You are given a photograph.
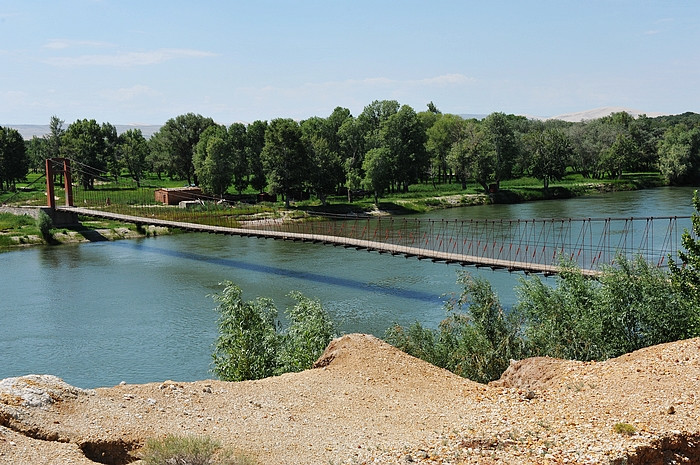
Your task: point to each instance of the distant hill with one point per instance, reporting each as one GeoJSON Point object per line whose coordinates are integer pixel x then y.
{"type": "Point", "coordinates": [39, 130]}
{"type": "Point", "coordinates": [600, 113]}
{"type": "Point", "coordinates": [579, 116]}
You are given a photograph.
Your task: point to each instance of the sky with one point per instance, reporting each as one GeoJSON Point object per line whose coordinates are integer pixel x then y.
{"type": "Point", "coordinates": [146, 61]}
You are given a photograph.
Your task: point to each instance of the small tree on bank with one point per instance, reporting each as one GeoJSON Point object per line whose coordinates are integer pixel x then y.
{"type": "Point", "coordinates": [251, 345]}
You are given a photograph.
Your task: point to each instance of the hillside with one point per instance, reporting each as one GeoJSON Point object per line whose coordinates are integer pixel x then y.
{"type": "Point", "coordinates": [366, 402]}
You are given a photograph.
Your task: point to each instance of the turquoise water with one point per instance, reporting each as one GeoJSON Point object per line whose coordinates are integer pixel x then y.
{"type": "Point", "coordinates": [141, 310]}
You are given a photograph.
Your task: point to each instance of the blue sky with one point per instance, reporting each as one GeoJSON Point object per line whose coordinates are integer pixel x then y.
{"type": "Point", "coordinates": [147, 61]}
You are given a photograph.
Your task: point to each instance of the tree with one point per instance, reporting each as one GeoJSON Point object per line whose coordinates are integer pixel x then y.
{"type": "Point", "coordinates": [84, 142]}
{"type": "Point", "coordinates": [179, 136]}
{"type": "Point", "coordinates": [352, 142]}
{"type": "Point", "coordinates": [310, 331]}
{"type": "Point", "coordinates": [679, 154]}
{"type": "Point", "coordinates": [111, 140]}
{"type": "Point", "coordinates": [14, 164]}
{"type": "Point", "coordinates": [158, 155]}
{"type": "Point", "coordinates": [250, 344]}
{"type": "Point", "coordinates": [403, 135]}
{"type": "Point", "coordinates": [377, 169]}
{"type": "Point", "coordinates": [255, 141]}
{"type": "Point", "coordinates": [213, 160]}
{"type": "Point", "coordinates": [446, 131]}
{"type": "Point", "coordinates": [132, 152]}
{"type": "Point", "coordinates": [472, 156]}
{"type": "Point", "coordinates": [53, 138]}
{"type": "Point", "coordinates": [284, 157]}
{"type": "Point", "coordinates": [506, 146]}
{"type": "Point", "coordinates": [239, 156]}
{"type": "Point", "coordinates": [551, 150]}
{"type": "Point", "coordinates": [37, 152]}
{"type": "Point", "coordinates": [326, 168]}
{"type": "Point", "coordinates": [686, 274]}
{"type": "Point", "coordinates": [246, 347]}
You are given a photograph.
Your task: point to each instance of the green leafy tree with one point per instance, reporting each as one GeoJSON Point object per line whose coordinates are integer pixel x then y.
{"type": "Point", "coordinates": [686, 273]}
{"type": "Point", "coordinates": [109, 154]}
{"type": "Point", "coordinates": [377, 169]}
{"type": "Point", "coordinates": [179, 137]}
{"type": "Point", "coordinates": [213, 160]}
{"type": "Point", "coordinates": [14, 163]}
{"type": "Point", "coordinates": [562, 321]}
{"type": "Point", "coordinates": [352, 142]}
{"type": "Point", "coordinates": [404, 136]}
{"type": "Point", "coordinates": [477, 340]}
{"type": "Point", "coordinates": [309, 333]}
{"type": "Point", "coordinates": [239, 156]}
{"type": "Point", "coordinates": [551, 151]}
{"type": "Point", "coordinates": [639, 307]}
{"type": "Point", "coordinates": [506, 145]}
{"type": "Point", "coordinates": [250, 344]}
{"type": "Point", "coordinates": [158, 158]}
{"type": "Point", "coordinates": [246, 347]}
{"type": "Point", "coordinates": [132, 152]}
{"type": "Point", "coordinates": [255, 142]}
{"type": "Point", "coordinates": [284, 157]}
{"type": "Point", "coordinates": [472, 156]}
{"type": "Point", "coordinates": [85, 143]}
{"type": "Point", "coordinates": [53, 138]}
{"type": "Point", "coordinates": [37, 153]}
{"type": "Point", "coordinates": [679, 154]}
{"type": "Point", "coordinates": [441, 136]}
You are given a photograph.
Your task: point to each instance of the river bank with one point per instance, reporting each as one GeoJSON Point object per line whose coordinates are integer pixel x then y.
{"type": "Point", "coordinates": [23, 233]}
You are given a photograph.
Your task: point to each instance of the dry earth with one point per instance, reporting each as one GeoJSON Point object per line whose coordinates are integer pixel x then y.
{"type": "Point", "coordinates": [366, 402]}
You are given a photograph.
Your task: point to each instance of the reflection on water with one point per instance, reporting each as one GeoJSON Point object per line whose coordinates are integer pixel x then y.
{"type": "Point", "coordinates": [140, 310]}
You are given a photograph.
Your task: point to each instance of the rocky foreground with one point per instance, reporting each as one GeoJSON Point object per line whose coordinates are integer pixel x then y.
{"type": "Point", "coordinates": [366, 402]}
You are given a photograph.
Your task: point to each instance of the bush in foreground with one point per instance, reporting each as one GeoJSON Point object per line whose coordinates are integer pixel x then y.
{"type": "Point", "coordinates": [251, 344]}
{"type": "Point", "coordinates": [190, 450]}
{"type": "Point", "coordinates": [631, 306]}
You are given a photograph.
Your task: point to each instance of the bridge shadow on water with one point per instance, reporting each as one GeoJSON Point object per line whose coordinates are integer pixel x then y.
{"type": "Point", "coordinates": [278, 271]}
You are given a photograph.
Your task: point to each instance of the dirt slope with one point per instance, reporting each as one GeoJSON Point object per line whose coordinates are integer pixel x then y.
{"type": "Point", "coordinates": [366, 402]}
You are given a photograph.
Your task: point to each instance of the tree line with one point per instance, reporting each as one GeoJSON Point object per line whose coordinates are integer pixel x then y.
{"type": "Point", "coordinates": [386, 148]}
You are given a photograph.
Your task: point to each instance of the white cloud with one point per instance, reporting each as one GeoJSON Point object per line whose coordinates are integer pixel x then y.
{"type": "Point", "coordinates": [126, 94]}
{"type": "Point", "coordinates": [128, 59]}
{"type": "Point", "coordinates": [62, 44]}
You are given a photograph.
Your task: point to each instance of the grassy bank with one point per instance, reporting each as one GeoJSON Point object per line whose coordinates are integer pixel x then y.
{"type": "Point", "coordinates": [23, 230]}
{"type": "Point", "coordinates": [427, 197]}
{"type": "Point", "coordinates": [17, 231]}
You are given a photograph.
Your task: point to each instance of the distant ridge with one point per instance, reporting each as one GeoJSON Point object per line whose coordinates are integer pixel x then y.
{"type": "Point", "coordinates": [602, 112]}
{"type": "Point", "coordinates": [579, 116]}
{"type": "Point", "coordinates": [40, 130]}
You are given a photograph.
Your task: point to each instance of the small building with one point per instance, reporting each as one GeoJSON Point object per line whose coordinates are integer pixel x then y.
{"type": "Point", "coordinates": [175, 195]}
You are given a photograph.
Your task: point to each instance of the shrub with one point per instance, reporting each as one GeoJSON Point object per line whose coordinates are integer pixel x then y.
{"type": "Point", "coordinates": [250, 344]}
{"type": "Point", "coordinates": [639, 306]}
{"type": "Point", "coordinates": [44, 223]}
{"type": "Point", "coordinates": [309, 332]}
{"type": "Point", "coordinates": [189, 450]}
{"type": "Point", "coordinates": [561, 321]}
{"type": "Point", "coordinates": [624, 428]}
{"type": "Point", "coordinates": [477, 343]}
{"type": "Point", "coordinates": [247, 343]}
{"type": "Point", "coordinates": [632, 305]}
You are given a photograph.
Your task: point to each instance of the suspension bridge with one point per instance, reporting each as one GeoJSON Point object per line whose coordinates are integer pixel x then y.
{"type": "Point", "coordinates": [528, 245]}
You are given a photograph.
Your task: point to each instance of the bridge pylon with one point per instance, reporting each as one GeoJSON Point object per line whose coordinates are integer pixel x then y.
{"type": "Point", "coordinates": [56, 166]}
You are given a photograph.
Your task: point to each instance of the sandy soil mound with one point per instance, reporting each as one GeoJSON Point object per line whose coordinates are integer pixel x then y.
{"type": "Point", "coordinates": [366, 402]}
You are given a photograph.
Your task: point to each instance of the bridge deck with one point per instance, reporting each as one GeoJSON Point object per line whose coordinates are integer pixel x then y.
{"type": "Point", "coordinates": [381, 247]}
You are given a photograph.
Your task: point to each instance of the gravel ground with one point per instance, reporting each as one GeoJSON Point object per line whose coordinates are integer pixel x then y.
{"type": "Point", "coordinates": [367, 402]}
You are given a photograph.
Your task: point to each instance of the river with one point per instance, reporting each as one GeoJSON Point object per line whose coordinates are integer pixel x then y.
{"type": "Point", "coordinates": [141, 310]}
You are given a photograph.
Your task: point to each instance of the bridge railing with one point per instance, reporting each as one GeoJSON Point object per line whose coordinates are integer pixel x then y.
{"type": "Point", "coordinates": [590, 243]}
